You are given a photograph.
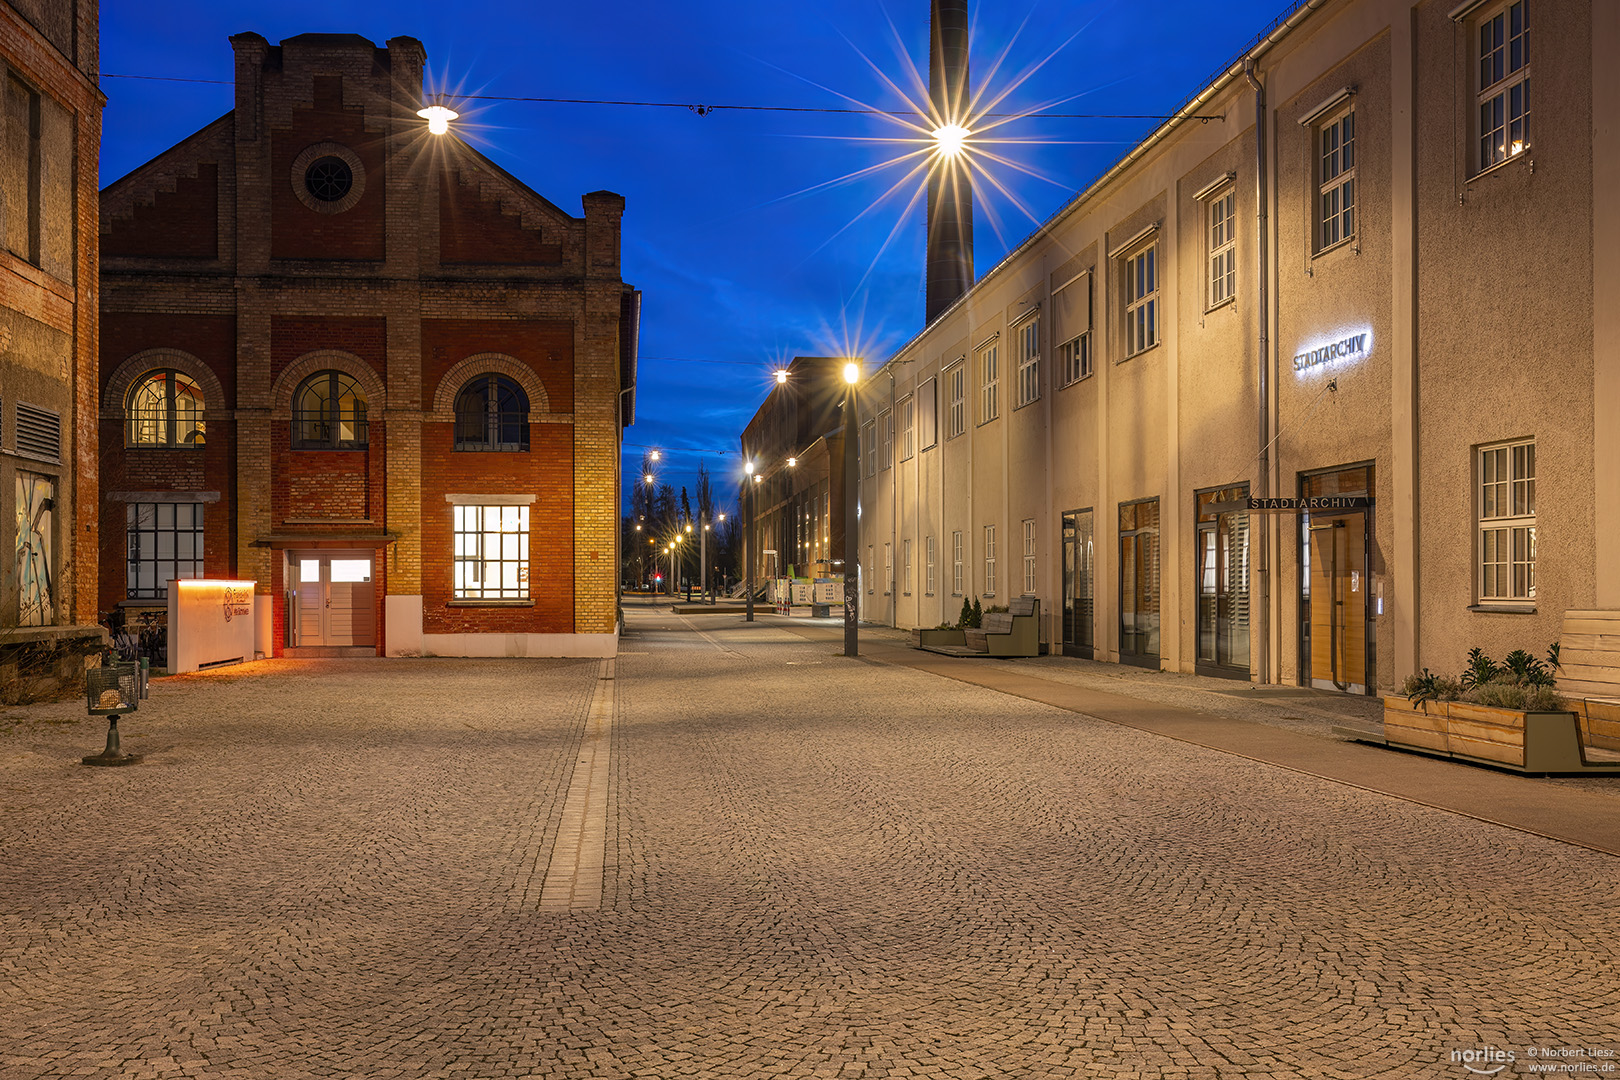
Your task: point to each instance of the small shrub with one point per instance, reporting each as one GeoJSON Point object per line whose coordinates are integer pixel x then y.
{"type": "Point", "coordinates": [1481, 669]}
{"type": "Point", "coordinates": [965, 620]}
{"type": "Point", "coordinates": [1544, 699]}
{"type": "Point", "coordinates": [1499, 693]}
{"type": "Point", "coordinates": [978, 614]}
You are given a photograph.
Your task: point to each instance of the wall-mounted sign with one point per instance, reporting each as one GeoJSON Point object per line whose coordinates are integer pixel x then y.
{"type": "Point", "coordinates": [1354, 346]}
{"type": "Point", "coordinates": [1306, 505]}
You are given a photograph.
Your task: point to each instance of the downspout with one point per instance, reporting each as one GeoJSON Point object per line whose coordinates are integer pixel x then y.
{"type": "Point", "coordinates": [1262, 562]}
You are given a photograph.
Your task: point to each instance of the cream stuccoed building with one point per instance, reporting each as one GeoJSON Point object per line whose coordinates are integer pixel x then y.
{"type": "Point", "coordinates": [1320, 392]}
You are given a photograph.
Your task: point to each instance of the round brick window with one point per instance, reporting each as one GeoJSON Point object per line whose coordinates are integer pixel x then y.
{"type": "Point", "coordinates": [329, 179]}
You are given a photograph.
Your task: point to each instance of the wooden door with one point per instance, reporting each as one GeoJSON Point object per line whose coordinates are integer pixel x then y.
{"type": "Point", "coordinates": [1338, 599]}
{"type": "Point", "coordinates": [335, 600]}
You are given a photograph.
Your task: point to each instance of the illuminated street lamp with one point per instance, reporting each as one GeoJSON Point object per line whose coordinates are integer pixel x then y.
{"type": "Point", "coordinates": [438, 115]}
{"type": "Point", "coordinates": [950, 138]}
{"type": "Point", "coordinates": [781, 376]}
{"type": "Point", "coordinates": [852, 480]}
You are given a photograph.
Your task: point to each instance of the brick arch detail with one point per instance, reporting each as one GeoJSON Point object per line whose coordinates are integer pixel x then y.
{"type": "Point", "coordinates": [116, 393]}
{"type": "Point", "coordinates": [489, 363]}
{"type": "Point", "coordinates": [293, 374]}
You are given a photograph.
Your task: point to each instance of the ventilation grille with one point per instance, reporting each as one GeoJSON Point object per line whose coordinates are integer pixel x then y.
{"type": "Point", "coordinates": [39, 432]}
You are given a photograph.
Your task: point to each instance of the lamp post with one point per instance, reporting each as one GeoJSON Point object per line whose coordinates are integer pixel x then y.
{"type": "Point", "coordinates": [748, 537]}
{"type": "Point", "coordinates": [852, 481]}
{"type": "Point", "coordinates": [703, 557]}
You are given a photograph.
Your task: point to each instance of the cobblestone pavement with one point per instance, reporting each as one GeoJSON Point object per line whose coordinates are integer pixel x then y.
{"type": "Point", "coordinates": [813, 867]}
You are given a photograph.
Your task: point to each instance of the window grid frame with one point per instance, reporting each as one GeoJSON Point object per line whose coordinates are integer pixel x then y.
{"type": "Point", "coordinates": [908, 427]}
{"type": "Point", "coordinates": [990, 382]}
{"type": "Point", "coordinates": [1220, 233]}
{"type": "Point", "coordinates": [1334, 149]}
{"type": "Point", "coordinates": [134, 553]}
{"type": "Point", "coordinates": [1074, 359]}
{"type": "Point", "coordinates": [1029, 361]}
{"type": "Point", "coordinates": [1505, 515]}
{"type": "Point", "coordinates": [462, 588]}
{"type": "Point", "coordinates": [956, 415]}
{"type": "Point", "coordinates": [989, 560]}
{"type": "Point", "coordinates": [1495, 92]}
{"type": "Point", "coordinates": [170, 421]}
{"type": "Point", "coordinates": [1029, 556]}
{"type": "Point", "coordinates": [956, 563]}
{"type": "Point", "coordinates": [1141, 295]}
{"type": "Point", "coordinates": [886, 433]}
{"type": "Point", "coordinates": [931, 569]}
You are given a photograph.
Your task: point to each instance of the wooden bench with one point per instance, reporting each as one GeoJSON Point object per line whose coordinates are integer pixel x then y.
{"type": "Point", "coordinates": [1014, 632]}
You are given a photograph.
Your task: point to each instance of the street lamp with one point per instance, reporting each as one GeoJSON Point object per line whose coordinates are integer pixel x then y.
{"type": "Point", "coordinates": [438, 115]}
{"type": "Point", "coordinates": [852, 481]}
{"type": "Point", "coordinates": [748, 537]}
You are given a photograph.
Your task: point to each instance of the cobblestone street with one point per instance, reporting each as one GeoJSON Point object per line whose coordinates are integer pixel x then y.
{"type": "Point", "coordinates": [809, 867]}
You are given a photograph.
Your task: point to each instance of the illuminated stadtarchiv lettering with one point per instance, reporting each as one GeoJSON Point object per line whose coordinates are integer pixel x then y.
{"type": "Point", "coordinates": [1354, 345]}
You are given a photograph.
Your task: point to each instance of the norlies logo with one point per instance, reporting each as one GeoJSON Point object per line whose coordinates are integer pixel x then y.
{"type": "Point", "coordinates": [1483, 1060]}
{"type": "Point", "coordinates": [1355, 345]}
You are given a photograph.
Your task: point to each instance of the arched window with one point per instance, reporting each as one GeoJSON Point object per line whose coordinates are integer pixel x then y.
{"type": "Point", "coordinates": [165, 409]}
{"type": "Point", "coordinates": [329, 413]}
{"type": "Point", "coordinates": [492, 413]}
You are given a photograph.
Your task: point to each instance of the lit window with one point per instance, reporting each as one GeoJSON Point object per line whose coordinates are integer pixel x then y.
{"type": "Point", "coordinates": [1029, 362]}
{"type": "Point", "coordinates": [165, 544]}
{"type": "Point", "coordinates": [165, 409]}
{"type": "Point", "coordinates": [1503, 93]}
{"type": "Point", "coordinates": [1222, 210]}
{"type": "Point", "coordinates": [492, 413]}
{"type": "Point", "coordinates": [1507, 522]}
{"type": "Point", "coordinates": [1336, 179]}
{"type": "Point", "coordinates": [329, 413]}
{"type": "Point", "coordinates": [1142, 300]}
{"type": "Point", "coordinates": [491, 553]}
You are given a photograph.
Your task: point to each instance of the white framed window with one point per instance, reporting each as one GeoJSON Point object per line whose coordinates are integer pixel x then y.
{"type": "Point", "coordinates": [929, 578]}
{"type": "Point", "coordinates": [869, 444]}
{"type": "Point", "coordinates": [1029, 555]}
{"type": "Point", "coordinates": [1336, 179]}
{"type": "Point", "coordinates": [1142, 300]}
{"type": "Point", "coordinates": [905, 567]}
{"type": "Point", "coordinates": [1507, 522]}
{"type": "Point", "coordinates": [928, 414]}
{"type": "Point", "coordinates": [491, 553]}
{"type": "Point", "coordinates": [1221, 213]}
{"type": "Point", "coordinates": [908, 428]}
{"type": "Point", "coordinates": [1029, 361]}
{"type": "Point", "coordinates": [956, 416]}
{"type": "Point", "coordinates": [886, 427]}
{"type": "Point", "coordinates": [989, 560]}
{"type": "Point", "coordinates": [888, 569]}
{"type": "Point", "coordinates": [956, 563]}
{"type": "Point", "coordinates": [1074, 359]}
{"type": "Point", "coordinates": [1502, 93]}
{"type": "Point", "coordinates": [989, 383]}
{"type": "Point", "coordinates": [871, 569]}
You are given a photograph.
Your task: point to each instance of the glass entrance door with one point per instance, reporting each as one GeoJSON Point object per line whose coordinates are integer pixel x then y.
{"type": "Point", "coordinates": [1139, 583]}
{"type": "Point", "coordinates": [333, 600]}
{"type": "Point", "coordinates": [1223, 583]}
{"type": "Point", "coordinates": [1078, 590]}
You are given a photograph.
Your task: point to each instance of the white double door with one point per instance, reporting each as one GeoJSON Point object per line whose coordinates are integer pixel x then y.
{"type": "Point", "coordinates": [334, 599]}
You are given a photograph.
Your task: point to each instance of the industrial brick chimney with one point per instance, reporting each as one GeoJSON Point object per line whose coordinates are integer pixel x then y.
{"type": "Point", "coordinates": [950, 186]}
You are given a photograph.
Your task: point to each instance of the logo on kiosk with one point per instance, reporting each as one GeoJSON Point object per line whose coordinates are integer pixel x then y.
{"type": "Point", "coordinates": [238, 600]}
{"type": "Point", "coordinates": [1354, 346]}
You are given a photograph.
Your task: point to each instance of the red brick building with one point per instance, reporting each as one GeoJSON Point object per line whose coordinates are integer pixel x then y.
{"type": "Point", "coordinates": [362, 365]}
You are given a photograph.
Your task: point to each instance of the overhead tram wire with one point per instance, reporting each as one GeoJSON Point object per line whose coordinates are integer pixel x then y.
{"type": "Point", "coordinates": [706, 109]}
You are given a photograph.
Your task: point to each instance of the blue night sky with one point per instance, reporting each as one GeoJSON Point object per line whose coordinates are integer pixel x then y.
{"type": "Point", "coordinates": [739, 270]}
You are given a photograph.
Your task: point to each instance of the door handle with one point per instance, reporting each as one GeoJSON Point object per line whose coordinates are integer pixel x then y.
{"type": "Point", "coordinates": [329, 603]}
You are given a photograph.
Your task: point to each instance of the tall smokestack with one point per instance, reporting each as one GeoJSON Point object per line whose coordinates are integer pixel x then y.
{"type": "Point", "coordinates": [950, 187]}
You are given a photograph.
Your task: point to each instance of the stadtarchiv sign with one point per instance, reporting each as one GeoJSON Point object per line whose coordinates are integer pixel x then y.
{"type": "Point", "coordinates": [1352, 347]}
{"type": "Point", "coordinates": [1314, 502]}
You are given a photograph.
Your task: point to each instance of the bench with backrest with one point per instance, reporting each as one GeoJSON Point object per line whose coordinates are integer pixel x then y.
{"type": "Point", "coordinates": [1014, 632]}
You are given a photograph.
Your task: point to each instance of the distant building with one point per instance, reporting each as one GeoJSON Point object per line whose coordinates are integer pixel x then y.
{"type": "Point", "coordinates": [798, 509]}
{"type": "Point", "coordinates": [364, 366]}
{"type": "Point", "coordinates": [1400, 298]}
{"type": "Point", "coordinates": [50, 141]}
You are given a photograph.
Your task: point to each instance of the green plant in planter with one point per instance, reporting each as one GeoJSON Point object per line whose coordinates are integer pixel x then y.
{"type": "Point", "coordinates": [1526, 669]}
{"type": "Point", "coordinates": [1427, 687]}
{"type": "Point", "coordinates": [978, 614]}
{"type": "Point", "coordinates": [1481, 669]}
{"type": "Point", "coordinates": [965, 620]}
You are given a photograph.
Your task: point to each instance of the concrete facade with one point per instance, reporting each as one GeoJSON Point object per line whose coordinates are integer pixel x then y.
{"type": "Point", "coordinates": [50, 138]}
{"type": "Point", "coordinates": [1462, 322]}
{"type": "Point", "coordinates": [419, 277]}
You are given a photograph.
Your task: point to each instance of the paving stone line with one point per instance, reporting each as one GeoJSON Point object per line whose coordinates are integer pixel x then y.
{"type": "Point", "coordinates": [574, 871]}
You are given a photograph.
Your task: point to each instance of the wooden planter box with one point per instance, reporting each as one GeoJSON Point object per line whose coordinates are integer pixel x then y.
{"type": "Point", "coordinates": [1527, 741]}
{"type": "Point", "coordinates": [922, 639]}
{"type": "Point", "coordinates": [1600, 723]}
